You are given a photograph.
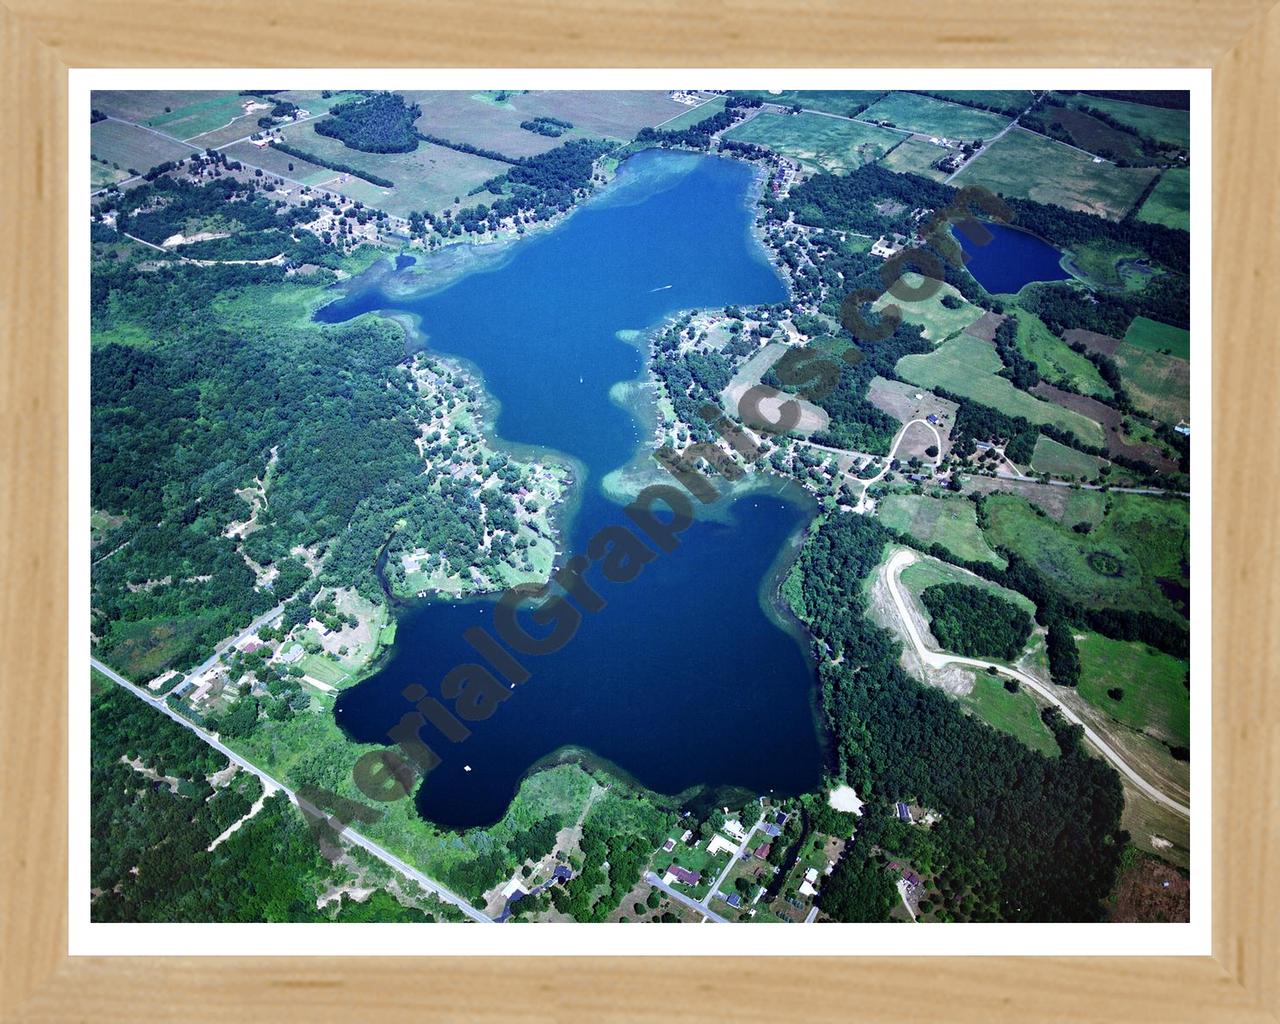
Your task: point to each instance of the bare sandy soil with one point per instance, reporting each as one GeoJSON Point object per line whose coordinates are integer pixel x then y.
{"type": "Point", "coordinates": [812, 418]}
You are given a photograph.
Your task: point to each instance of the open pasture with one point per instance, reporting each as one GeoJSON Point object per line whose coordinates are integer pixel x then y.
{"type": "Point", "coordinates": [819, 142]}
{"type": "Point", "coordinates": [429, 178]}
{"type": "Point", "coordinates": [1096, 136]}
{"type": "Point", "coordinates": [1170, 201]}
{"type": "Point", "coordinates": [611, 115]}
{"type": "Point", "coordinates": [1157, 337]}
{"type": "Point", "coordinates": [1160, 123]}
{"type": "Point", "coordinates": [215, 110]}
{"type": "Point", "coordinates": [1159, 384]}
{"type": "Point", "coordinates": [1008, 101]}
{"type": "Point", "coordinates": [845, 102]}
{"type": "Point", "coordinates": [899, 400]}
{"type": "Point", "coordinates": [1118, 443]}
{"type": "Point", "coordinates": [950, 522]}
{"type": "Point", "coordinates": [938, 320]}
{"type": "Point", "coordinates": [1065, 463]}
{"type": "Point", "coordinates": [1155, 698]}
{"type": "Point", "coordinates": [1030, 166]}
{"type": "Point", "coordinates": [1056, 360]}
{"type": "Point", "coordinates": [1018, 714]}
{"type": "Point", "coordinates": [1064, 504]}
{"type": "Point", "coordinates": [968, 366]}
{"type": "Point", "coordinates": [131, 147]}
{"type": "Point", "coordinates": [465, 117]}
{"type": "Point", "coordinates": [142, 104]}
{"type": "Point", "coordinates": [916, 156]}
{"type": "Point", "coordinates": [930, 116]}
{"type": "Point", "coordinates": [1135, 557]}
{"type": "Point", "coordinates": [273, 161]}
{"type": "Point", "coordinates": [692, 115]}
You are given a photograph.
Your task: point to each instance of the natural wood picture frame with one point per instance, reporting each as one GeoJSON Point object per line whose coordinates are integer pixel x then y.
{"type": "Point", "coordinates": [42, 39]}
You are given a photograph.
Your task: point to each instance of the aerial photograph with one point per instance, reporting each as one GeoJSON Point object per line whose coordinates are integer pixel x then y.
{"type": "Point", "coordinates": [648, 506]}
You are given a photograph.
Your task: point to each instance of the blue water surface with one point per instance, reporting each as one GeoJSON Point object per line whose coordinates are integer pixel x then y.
{"type": "Point", "coordinates": [685, 680]}
{"type": "Point", "coordinates": [1011, 259]}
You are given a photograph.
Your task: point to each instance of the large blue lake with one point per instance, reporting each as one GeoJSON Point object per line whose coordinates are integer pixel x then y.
{"type": "Point", "coordinates": [1011, 259]}
{"type": "Point", "coordinates": [687, 680]}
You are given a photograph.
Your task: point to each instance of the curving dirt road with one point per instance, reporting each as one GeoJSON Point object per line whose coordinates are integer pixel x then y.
{"type": "Point", "coordinates": [937, 659]}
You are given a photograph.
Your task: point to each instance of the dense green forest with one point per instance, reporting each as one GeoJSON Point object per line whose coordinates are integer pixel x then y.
{"type": "Point", "coordinates": [1022, 837]}
{"type": "Point", "coordinates": [223, 375]}
{"type": "Point", "coordinates": [976, 623]}
{"type": "Point", "coordinates": [381, 123]}
{"type": "Point", "coordinates": [148, 856]}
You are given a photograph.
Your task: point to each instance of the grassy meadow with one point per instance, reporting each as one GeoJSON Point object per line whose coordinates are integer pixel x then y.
{"type": "Point", "coordinates": [951, 522]}
{"type": "Point", "coordinates": [132, 148]}
{"type": "Point", "coordinates": [1121, 561]}
{"type": "Point", "coordinates": [930, 116]}
{"type": "Point", "coordinates": [1157, 337]}
{"type": "Point", "coordinates": [1017, 714]}
{"type": "Point", "coordinates": [1170, 201]}
{"type": "Point", "coordinates": [1155, 698]}
{"type": "Point", "coordinates": [1065, 463]}
{"type": "Point", "coordinates": [938, 321]}
{"type": "Point", "coordinates": [1030, 166]}
{"type": "Point", "coordinates": [968, 366]}
{"type": "Point", "coordinates": [819, 142]}
{"type": "Point", "coordinates": [1159, 123]}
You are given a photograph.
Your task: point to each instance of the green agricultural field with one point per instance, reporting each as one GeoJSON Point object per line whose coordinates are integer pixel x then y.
{"type": "Point", "coordinates": [816, 140]}
{"type": "Point", "coordinates": [1057, 362]}
{"type": "Point", "coordinates": [1157, 337]}
{"type": "Point", "coordinates": [1093, 135]}
{"type": "Point", "coordinates": [928, 572]}
{"type": "Point", "coordinates": [101, 175]}
{"type": "Point", "coordinates": [950, 522]}
{"type": "Point", "coordinates": [1011, 101]}
{"type": "Point", "coordinates": [938, 321]}
{"type": "Point", "coordinates": [1031, 166]}
{"type": "Point", "coordinates": [1155, 700]}
{"type": "Point", "coordinates": [611, 115]}
{"type": "Point", "coordinates": [1065, 463]}
{"type": "Point", "coordinates": [141, 104]}
{"type": "Point", "coordinates": [213, 111]}
{"type": "Point", "coordinates": [929, 116]}
{"type": "Point", "coordinates": [1158, 384]}
{"type": "Point", "coordinates": [427, 179]}
{"type": "Point", "coordinates": [916, 156]}
{"type": "Point", "coordinates": [968, 366]}
{"type": "Point", "coordinates": [1159, 123]}
{"type": "Point", "coordinates": [1122, 562]}
{"type": "Point", "coordinates": [844, 102]}
{"type": "Point", "coordinates": [1170, 201]}
{"type": "Point", "coordinates": [692, 115]}
{"type": "Point", "coordinates": [1018, 714]}
{"type": "Point", "coordinates": [273, 161]}
{"type": "Point", "coordinates": [132, 147]}
{"type": "Point", "coordinates": [475, 120]}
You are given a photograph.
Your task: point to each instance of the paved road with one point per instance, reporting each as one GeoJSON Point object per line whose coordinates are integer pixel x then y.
{"type": "Point", "coordinates": [680, 897]}
{"type": "Point", "coordinates": [937, 659]}
{"type": "Point", "coordinates": [351, 835]}
{"type": "Point", "coordinates": [997, 135]}
{"type": "Point", "coordinates": [737, 854]}
{"type": "Point", "coordinates": [244, 634]}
